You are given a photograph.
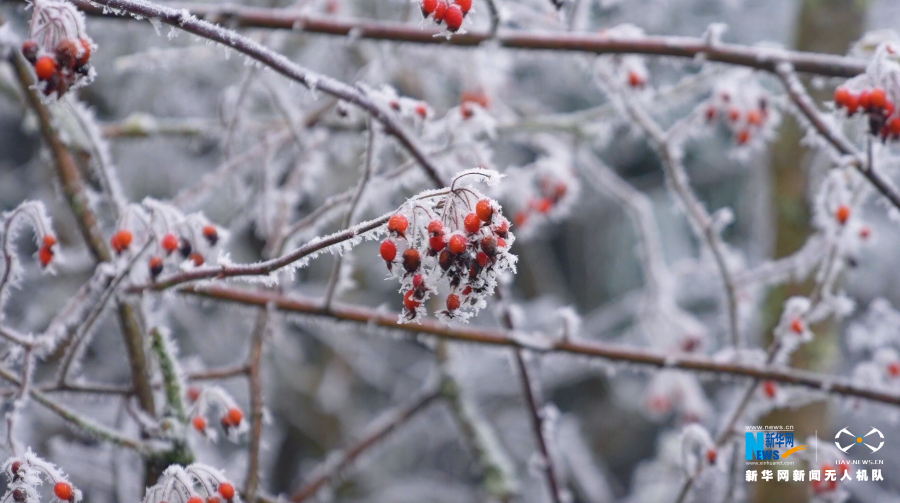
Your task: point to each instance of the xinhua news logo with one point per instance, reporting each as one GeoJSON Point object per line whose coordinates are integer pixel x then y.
{"type": "Point", "coordinates": [859, 440]}
{"type": "Point", "coordinates": [770, 445]}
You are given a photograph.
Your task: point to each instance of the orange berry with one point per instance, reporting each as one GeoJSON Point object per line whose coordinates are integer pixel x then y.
{"type": "Point", "coordinates": [472, 223]}
{"type": "Point", "coordinates": [121, 240]}
{"type": "Point", "coordinates": [770, 388]}
{"type": "Point", "coordinates": [842, 214]}
{"type": "Point", "coordinates": [521, 217]}
{"type": "Point", "coordinates": [197, 259]}
{"type": "Point", "coordinates": [754, 117]}
{"type": "Point", "coordinates": [226, 490]}
{"type": "Point", "coordinates": [422, 110]}
{"type": "Point", "coordinates": [878, 98]}
{"type": "Point", "coordinates": [484, 210]}
{"type": "Point", "coordinates": [234, 416]}
{"type": "Point", "coordinates": [63, 491]}
{"type": "Point", "coordinates": [49, 240]}
{"type": "Point", "coordinates": [169, 243]}
{"type": "Point", "coordinates": [195, 499]}
{"type": "Point", "coordinates": [543, 205]}
{"type": "Point", "coordinates": [711, 456]}
{"type": "Point", "coordinates": [734, 114]}
{"type": "Point", "coordinates": [45, 255]}
{"type": "Point", "coordinates": [398, 224]}
{"type": "Point", "coordinates": [865, 99]}
{"type": "Point", "coordinates": [213, 499]}
{"type": "Point", "coordinates": [797, 326]}
{"type": "Point", "coordinates": [635, 79]}
{"type": "Point", "coordinates": [453, 302]}
{"type": "Point", "coordinates": [199, 423]}
{"type": "Point", "coordinates": [45, 67]}
{"type": "Point", "coordinates": [743, 137]}
{"type": "Point", "coordinates": [211, 234]}
{"type": "Point", "coordinates": [457, 244]}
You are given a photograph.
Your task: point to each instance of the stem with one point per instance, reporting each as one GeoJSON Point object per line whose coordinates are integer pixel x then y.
{"type": "Point", "coordinates": [256, 403]}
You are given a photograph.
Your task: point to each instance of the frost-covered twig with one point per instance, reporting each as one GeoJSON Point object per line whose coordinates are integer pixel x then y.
{"type": "Point", "coordinates": [166, 357]}
{"type": "Point", "coordinates": [381, 428]}
{"type": "Point", "coordinates": [348, 217]}
{"type": "Point", "coordinates": [797, 92]}
{"type": "Point", "coordinates": [256, 403]}
{"type": "Point", "coordinates": [763, 58]}
{"type": "Point", "coordinates": [502, 338]}
{"type": "Point", "coordinates": [183, 20]}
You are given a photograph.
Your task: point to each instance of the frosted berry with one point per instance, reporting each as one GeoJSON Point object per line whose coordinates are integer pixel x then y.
{"type": "Point", "coordinates": [211, 234]}
{"type": "Point", "coordinates": [226, 490]}
{"type": "Point", "coordinates": [439, 10]}
{"type": "Point", "coordinates": [411, 260]}
{"type": "Point", "coordinates": [464, 5]}
{"type": "Point", "coordinates": [45, 67]}
{"type": "Point", "coordinates": [422, 110]}
{"type": "Point", "coordinates": [436, 243]}
{"type": "Point", "coordinates": [502, 230]}
{"type": "Point", "coordinates": [711, 456]}
{"type": "Point", "coordinates": [193, 393]}
{"type": "Point", "coordinates": [197, 259]}
{"type": "Point", "coordinates": [635, 80]}
{"type": "Point", "coordinates": [156, 266]}
{"type": "Point", "coordinates": [398, 224]}
{"type": "Point", "coordinates": [195, 499]}
{"type": "Point", "coordinates": [453, 17]}
{"type": "Point", "coordinates": [453, 302]}
{"type": "Point", "coordinates": [770, 388]}
{"type": "Point", "coordinates": [67, 53]}
{"type": "Point", "coordinates": [843, 98]}
{"type": "Point", "coordinates": [865, 99]}
{"type": "Point", "coordinates": [63, 491]}
{"type": "Point", "coordinates": [484, 210]}
{"type": "Point", "coordinates": [472, 223]}
{"type": "Point", "coordinates": [85, 52]}
{"type": "Point", "coordinates": [185, 248]}
{"type": "Point", "coordinates": [418, 281]}
{"type": "Point", "coordinates": [19, 495]}
{"type": "Point", "coordinates": [388, 250]}
{"type": "Point", "coordinates": [878, 99]}
{"type": "Point", "coordinates": [169, 243]}
{"type": "Point", "coordinates": [482, 259]}
{"type": "Point", "coordinates": [842, 214]}
{"type": "Point", "coordinates": [49, 240]}
{"type": "Point", "coordinates": [489, 245]}
{"type": "Point", "coordinates": [199, 423]}
{"type": "Point", "coordinates": [797, 326]}
{"type": "Point", "coordinates": [445, 259]}
{"type": "Point", "coordinates": [436, 228]}
{"type": "Point", "coordinates": [457, 244]}
{"type": "Point", "coordinates": [409, 302]}
{"type": "Point", "coordinates": [234, 416]}
{"type": "Point", "coordinates": [30, 50]}
{"type": "Point", "coordinates": [121, 240]}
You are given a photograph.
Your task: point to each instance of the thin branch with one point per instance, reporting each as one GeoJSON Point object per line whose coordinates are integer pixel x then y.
{"type": "Point", "coordinates": [256, 403]}
{"type": "Point", "coordinates": [680, 47]}
{"type": "Point", "coordinates": [503, 338]}
{"type": "Point", "coordinates": [381, 428]}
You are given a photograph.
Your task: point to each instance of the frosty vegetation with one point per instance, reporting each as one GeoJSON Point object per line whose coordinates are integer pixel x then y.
{"type": "Point", "coordinates": [362, 250]}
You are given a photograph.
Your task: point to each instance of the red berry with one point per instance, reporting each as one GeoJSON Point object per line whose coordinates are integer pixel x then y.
{"type": "Point", "coordinates": [711, 456]}
{"type": "Point", "coordinates": [464, 5]}
{"type": "Point", "coordinates": [770, 388]}
{"type": "Point", "coordinates": [501, 242]}
{"type": "Point", "coordinates": [878, 98]}
{"type": "Point", "coordinates": [45, 255]}
{"type": "Point", "coordinates": [226, 490]}
{"type": "Point", "coordinates": [445, 259]}
{"type": "Point", "coordinates": [894, 127]}
{"type": "Point", "coordinates": [734, 114]}
{"type": "Point", "coordinates": [234, 416]}
{"type": "Point", "coordinates": [502, 230]}
{"type": "Point", "coordinates": [841, 96]}
{"type": "Point", "coordinates": [411, 260]}
{"type": "Point", "coordinates": [635, 79]}
{"type": "Point", "coordinates": [472, 223]}
{"type": "Point", "coordinates": [197, 259]}
{"type": "Point", "coordinates": [467, 290]}
{"type": "Point", "coordinates": [45, 67]}
{"type": "Point", "coordinates": [49, 240]}
{"type": "Point", "coordinates": [797, 326]}
{"type": "Point", "coordinates": [754, 117]}
{"type": "Point", "coordinates": [543, 205]}
{"type": "Point", "coordinates": [894, 369]}
{"type": "Point", "coordinates": [19, 495]}
{"type": "Point", "coordinates": [195, 499]}
{"type": "Point", "coordinates": [85, 52]}
{"type": "Point", "coordinates": [453, 302]}
{"type": "Point", "coordinates": [121, 240]}
{"type": "Point", "coordinates": [842, 214]}
{"type": "Point", "coordinates": [439, 10]}
{"type": "Point", "coordinates": [865, 232]}
{"type": "Point", "coordinates": [436, 243]}
{"type": "Point", "coordinates": [482, 259]}
{"type": "Point", "coordinates": [484, 210]}
{"type": "Point", "coordinates": [743, 137]}
{"type": "Point", "coordinates": [169, 243]}
{"type": "Point", "coordinates": [398, 224]}
{"type": "Point", "coordinates": [466, 110]}
{"type": "Point", "coordinates": [865, 99]}
{"type": "Point", "coordinates": [489, 245]}
{"type": "Point", "coordinates": [428, 7]}
{"type": "Point", "coordinates": [457, 244]}
{"type": "Point", "coordinates": [211, 234]}
{"type": "Point", "coordinates": [521, 217]}
{"type": "Point", "coordinates": [422, 110]}
{"type": "Point", "coordinates": [388, 250]}
{"type": "Point", "coordinates": [30, 50]}
{"type": "Point", "coordinates": [409, 302]}
{"type": "Point", "coordinates": [711, 113]}
{"type": "Point", "coordinates": [156, 266]}
{"type": "Point", "coordinates": [193, 393]}
{"type": "Point", "coordinates": [63, 491]}
{"type": "Point", "coordinates": [67, 53]}
{"type": "Point", "coordinates": [453, 17]}
{"type": "Point", "coordinates": [436, 228]}
{"type": "Point", "coordinates": [213, 499]}
{"type": "Point", "coordinates": [418, 281]}
{"type": "Point", "coordinates": [199, 423]}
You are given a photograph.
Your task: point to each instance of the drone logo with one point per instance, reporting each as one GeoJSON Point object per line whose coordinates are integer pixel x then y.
{"type": "Point", "coordinates": [858, 440]}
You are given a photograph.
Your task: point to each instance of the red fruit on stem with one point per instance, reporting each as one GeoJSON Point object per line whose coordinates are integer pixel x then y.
{"type": "Point", "coordinates": [482, 259]}
{"type": "Point", "coordinates": [543, 205]}
{"type": "Point", "coordinates": [169, 243]}
{"type": "Point", "coordinates": [770, 388]}
{"type": "Point", "coordinates": [841, 97]}
{"type": "Point", "coordinates": [635, 79]}
{"type": "Point", "coordinates": [472, 223]}
{"type": "Point", "coordinates": [45, 255]}
{"type": "Point", "coordinates": [734, 114]}
{"type": "Point", "coordinates": [156, 266]}
{"type": "Point", "coordinates": [878, 98]}
{"type": "Point", "coordinates": [711, 113]}
{"type": "Point", "coordinates": [398, 224]}
{"type": "Point", "coordinates": [865, 99]}
{"type": "Point", "coordinates": [193, 393]}
{"type": "Point", "coordinates": [484, 210]}
{"type": "Point", "coordinates": [422, 110]}
{"type": "Point", "coordinates": [49, 240]}
{"type": "Point", "coordinates": [63, 491]}
{"type": "Point", "coordinates": [418, 281]}
{"type": "Point", "coordinates": [842, 214]}
{"type": "Point", "coordinates": [457, 244]}
{"type": "Point", "coordinates": [428, 7]}
{"type": "Point", "coordinates": [453, 302]}
{"type": "Point", "coordinates": [711, 456]}
{"type": "Point", "coordinates": [436, 243]}
{"type": "Point", "coordinates": [197, 259]}
{"type": "Point", "coordinates": [85, 52]}
{"type": "Point", "coordinates": [199, 423]}
{"type": "Point", "coordinates": [754, 117]}
{"type": "Point", "coordinates": [234, 415]}
{"type": "Point", "coordinates": [30, 50]}
{"type": "Point", "coordinates": [121, 240]}
{"type": "Point", "coordinates": [211, 234]}
{"type": "Point", "coordinates": [893, 369]}
{"type": "Point", "coordinates": [45, 67]}
{"type": "Point", "coordinates": [445, 260]}
{"type": "Point", "coordinates": [411, 260]}
{"type": "Point", "coordinates": [388, 250]}
{"type": "Point", "coordinates": [797, 326]}
{"type": "Point", "coordinates": [67, 53]}
{"type": "Point", "coordinates": [453, 18]}
{"type": "Point", "coordinates": [464, 5]}
{"type": "Point", "coordinates": [501, 242]}
{"type": "Point", "coordinates": [213, 499]}
{"type": "Point", "coordinates": [894, 127]}
{"type": "Point", "coordinates": [502, 230]}
{"type": "Point", "coordinates": [409, 302]}
{"type": "Point", "coordinates": [439, 10]}
{"type": "Point", "coordinates": [226, 490]}
{"type": "Point", "coordinates": [489, 245]}
{"type": "Point", "coordinates": [436, 228]}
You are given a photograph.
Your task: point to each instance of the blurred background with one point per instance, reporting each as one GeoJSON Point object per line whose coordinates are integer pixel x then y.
{"type": "Point", "coordinates": [175, 108]}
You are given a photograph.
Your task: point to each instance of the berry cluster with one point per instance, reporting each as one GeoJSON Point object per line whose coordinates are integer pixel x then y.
{"type": "Point", "coordinates": [876, 105]}
{"type": "Point", "coordinates": [449, 12]}
{"type": "Point", "coordinates": [745, 114]}
{"type": "Point", "coordinates": [204, 399]}
{"type": "Point", "coordinates": [542, 191]}
{"type": "Point", "coordinates": [190, 484]}
{"type": "Point", "coordinates": [25, 474]}
{"type": "Point", "coordinates": [456, 240]}
{"type": "Point", "coordinates": [191, 236]}
{"type": "Point", "coordinates": [58, 47]}
{"type": "Point", "coordinates": [28, 213]}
